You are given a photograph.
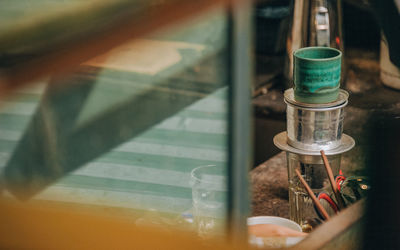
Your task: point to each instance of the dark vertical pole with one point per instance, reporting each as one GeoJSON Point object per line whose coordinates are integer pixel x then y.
{"type": "Point", "coordinates": [240, 142]}
{"type": "Point", "coordinates": [382, 228]}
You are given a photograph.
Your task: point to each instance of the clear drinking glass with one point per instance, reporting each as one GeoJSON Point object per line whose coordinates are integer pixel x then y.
{"type": "Point", "coordinates": [301, 207]}
{"type": "Point", "coordinates": [209, 196]}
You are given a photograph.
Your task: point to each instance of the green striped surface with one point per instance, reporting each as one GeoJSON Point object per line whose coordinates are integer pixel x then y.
{"type": "Point", "coordinates": [150, 171]}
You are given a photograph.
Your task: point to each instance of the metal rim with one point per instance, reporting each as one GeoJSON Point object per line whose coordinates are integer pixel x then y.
{"type": "Point", "coordinates": [280, 140]}
{"type": "Point", "coordinates": [314, 145]}
{"type": "Point", "coordinates": [195, 177]}
{"type": "Point", "coordinates": [339, 103]}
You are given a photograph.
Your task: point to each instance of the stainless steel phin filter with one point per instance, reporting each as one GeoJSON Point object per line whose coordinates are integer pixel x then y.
{"type": "Point", "coordinates": [311, 127]}
{"type": "Point", "coordinates": [315, 126]}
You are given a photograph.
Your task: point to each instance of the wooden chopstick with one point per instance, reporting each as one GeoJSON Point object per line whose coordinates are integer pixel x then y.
{"type": "Point", "coordinates": [335, 190]}
{"type": "Point", "coordinates": [320, 208]}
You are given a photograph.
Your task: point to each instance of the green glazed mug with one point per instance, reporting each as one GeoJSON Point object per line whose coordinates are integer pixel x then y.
{"type": "Point", "coordinates": [316, 74]}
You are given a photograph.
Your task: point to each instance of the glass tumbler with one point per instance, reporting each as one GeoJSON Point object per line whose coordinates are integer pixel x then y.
{"type": "Point", "coordinates": [209, 194]}
{"type": "Point", "coordinates": [311, 167]}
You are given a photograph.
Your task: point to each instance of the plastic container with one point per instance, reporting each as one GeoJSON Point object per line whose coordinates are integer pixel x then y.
{"type": "Point", "coordinates": [209, 192]}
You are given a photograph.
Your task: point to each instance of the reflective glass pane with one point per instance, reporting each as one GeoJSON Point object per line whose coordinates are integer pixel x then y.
{"type": "Point", "coordinates": [123, 133]}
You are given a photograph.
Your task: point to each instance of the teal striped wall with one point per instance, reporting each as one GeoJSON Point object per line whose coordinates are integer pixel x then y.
{"type": "Point", "coordinates": [150, 171]}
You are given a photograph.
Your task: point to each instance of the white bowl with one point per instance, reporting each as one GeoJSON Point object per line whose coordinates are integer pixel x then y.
{"type": "Point", "coordinates": [273, 220]}
{"type": "Point", "coordinates": [274, 241]}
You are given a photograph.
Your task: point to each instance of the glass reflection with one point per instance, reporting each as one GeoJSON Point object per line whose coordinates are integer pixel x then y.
{"type": "Point", "coordinates": [123, 132]}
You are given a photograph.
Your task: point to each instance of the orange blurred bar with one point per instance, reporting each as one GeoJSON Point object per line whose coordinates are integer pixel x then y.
{"type": "Point", "coordinates": [32, 226]}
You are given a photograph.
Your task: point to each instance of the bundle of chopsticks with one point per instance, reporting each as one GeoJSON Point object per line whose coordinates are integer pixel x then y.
{"type": "Point", "coordinates": [339, 199]}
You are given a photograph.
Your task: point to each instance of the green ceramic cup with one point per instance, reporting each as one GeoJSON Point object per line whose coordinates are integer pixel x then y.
{"type": "Point", "coordinates": [316, 74]}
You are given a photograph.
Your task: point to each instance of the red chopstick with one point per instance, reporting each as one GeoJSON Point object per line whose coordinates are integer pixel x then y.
{"type": "Point", "coordinates": [335, 190]}
{"type": "Point", "coordinates": [320, 208]}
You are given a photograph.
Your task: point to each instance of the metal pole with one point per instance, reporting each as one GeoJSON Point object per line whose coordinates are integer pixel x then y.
{"type": "Point", "coordinates": [240, 122]}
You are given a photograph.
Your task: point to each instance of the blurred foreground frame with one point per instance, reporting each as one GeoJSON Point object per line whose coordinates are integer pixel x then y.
{"type": "Point", "coordinates": [41, 228]}
{"type": "Point", "coordinates": [55, 143]}
{"type": "Point", "coordinates": [76, 34]}
{"type": "Point", "coordinates": [58, 42]}
{"type": "Point", "coordinates": [112, 23]}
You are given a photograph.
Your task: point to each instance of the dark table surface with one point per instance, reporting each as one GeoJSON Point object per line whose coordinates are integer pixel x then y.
{"type": "Point", "coordinates": [270, 187]}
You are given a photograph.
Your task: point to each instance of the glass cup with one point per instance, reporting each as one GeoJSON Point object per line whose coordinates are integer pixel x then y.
{"type": "Point", "coordinates": [301, 207]}
{"type": "Point", "coordinates": [209, 196]}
